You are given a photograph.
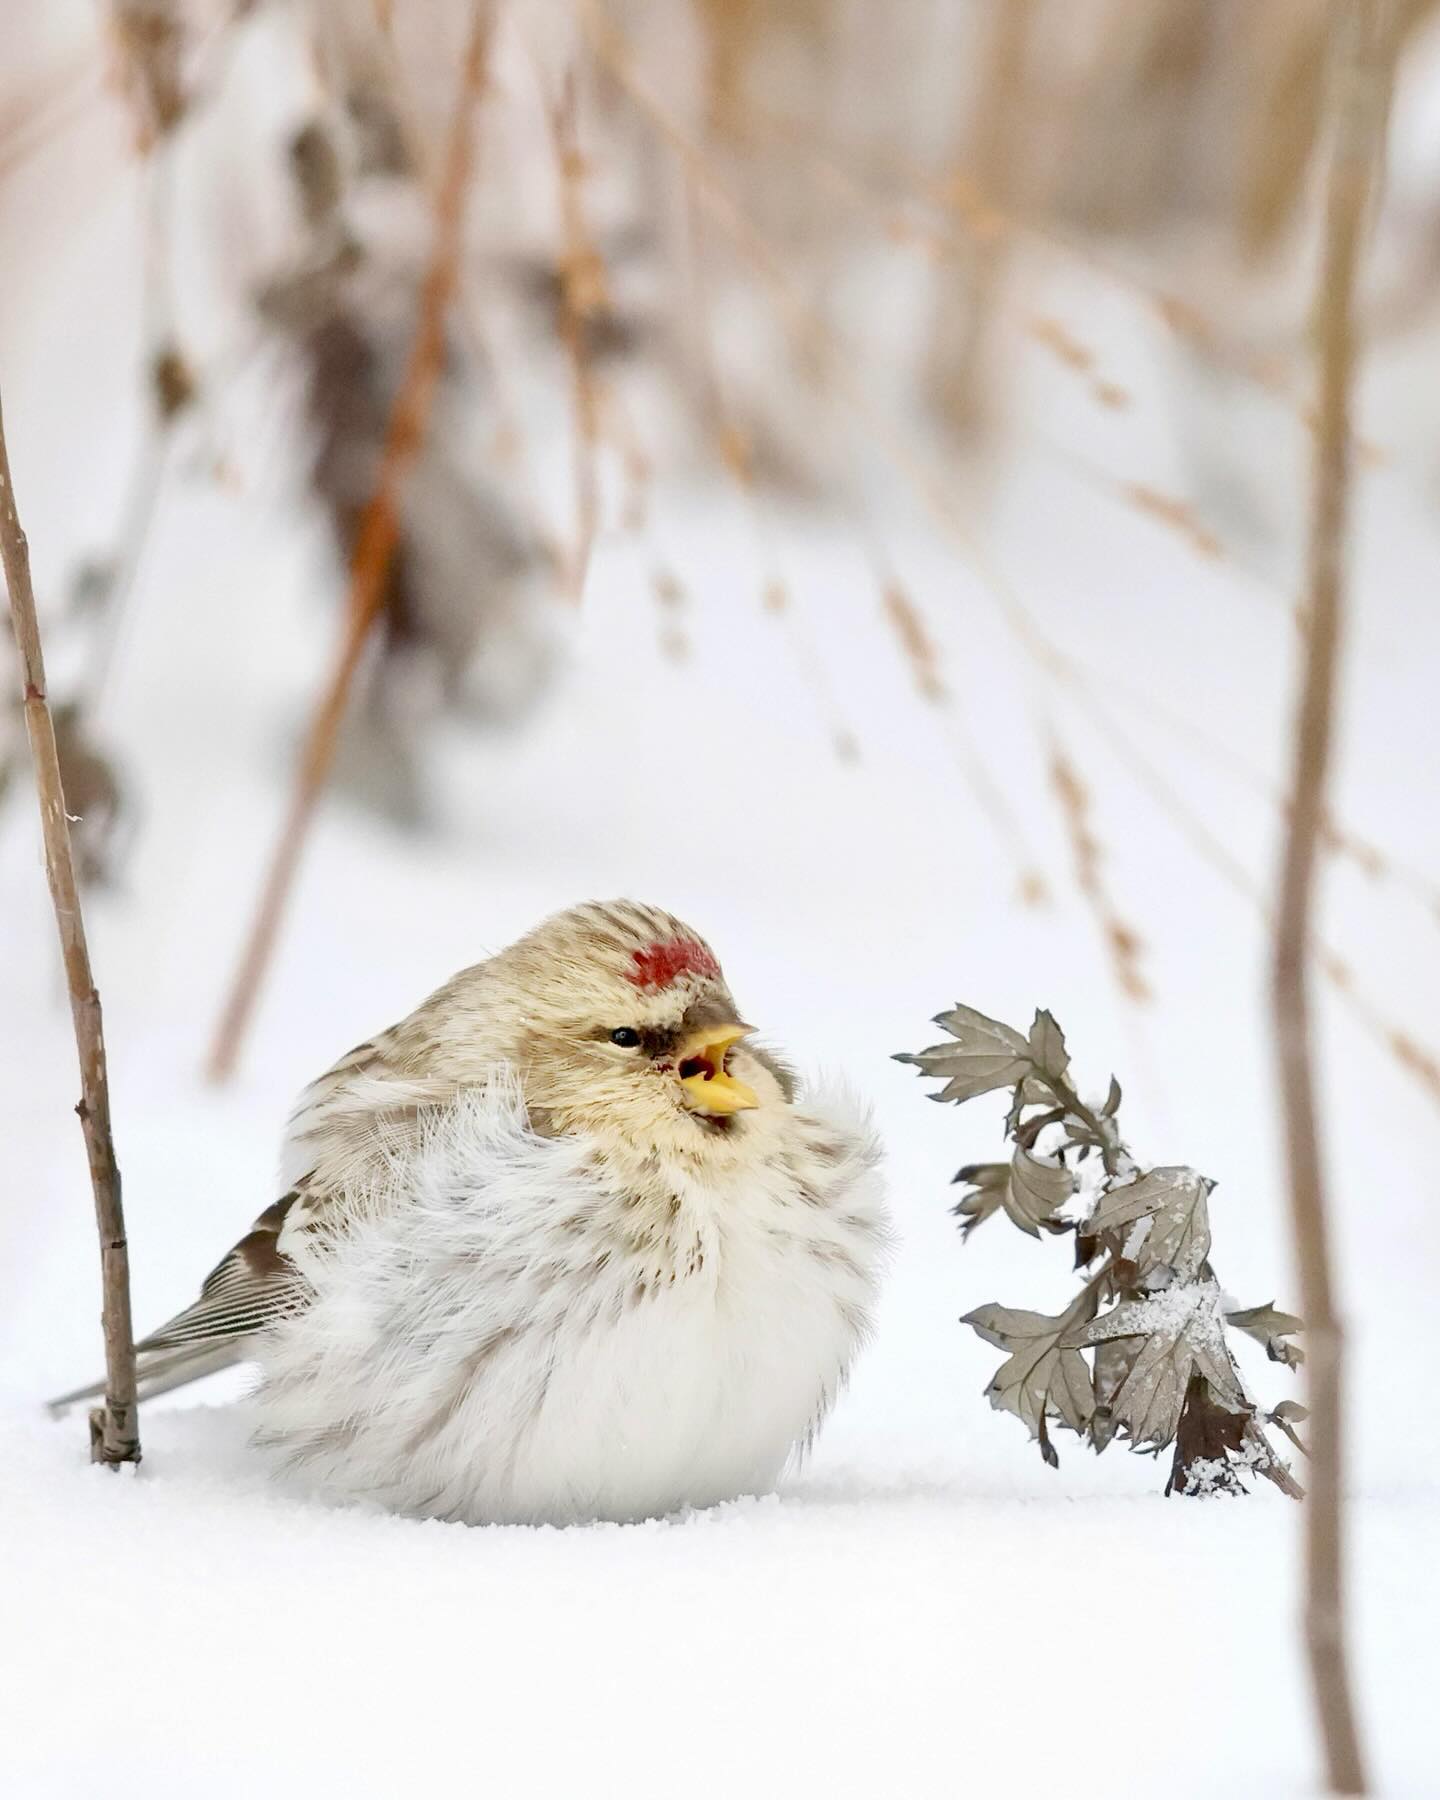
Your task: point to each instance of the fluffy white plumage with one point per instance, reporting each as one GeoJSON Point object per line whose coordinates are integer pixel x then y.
{"type": "Point", "coordinates": [519, 1339]}
{"type": "Point", "coordinates": [563, 1244]}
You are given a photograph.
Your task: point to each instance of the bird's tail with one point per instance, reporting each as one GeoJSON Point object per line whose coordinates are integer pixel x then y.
{"type": "Point", "coordinates": [160, 1370]}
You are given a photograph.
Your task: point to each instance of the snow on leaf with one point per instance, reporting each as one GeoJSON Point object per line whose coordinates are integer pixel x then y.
{"type": "Point", "coordinates": [1180, 1335]}
{"type": "Point", "coordinates": [985, 1055]}
{"type": "Point", "coordinates": [1176, 1202]}
{"type": "Point", "coordinates": [1210, 1441]}
{"type": "Point", "coordinates": [1040, 1374]}
{"type": "Point", "coordinates": [1270, 1327]}
{"type": "Point", "coordinates": [1047, 1046]}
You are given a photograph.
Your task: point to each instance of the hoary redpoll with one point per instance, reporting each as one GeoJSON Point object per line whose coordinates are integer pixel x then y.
{"type": "Point", "coordinates": [564, 1244]}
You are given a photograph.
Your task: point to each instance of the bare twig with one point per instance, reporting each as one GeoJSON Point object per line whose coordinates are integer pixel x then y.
{"type": "Point", "coordinates": [114, 1428]}
{"type": "Point", "coordinates": [922, 657]}
{"type": "Point", "coordinates": [374, 549]}
{"type": "Point", "coordinates": [937, 497]}
{"type": "Point", "coordinates": [1122, 942]}
{"type": "Point", "coordinates": [150, 39]}
{"type": "Point", "coordinates": [963, 326]}
{"type": "Point", "coordinates": [582, 295]}
{"type": "Point", "coordinates": [1362, 41]}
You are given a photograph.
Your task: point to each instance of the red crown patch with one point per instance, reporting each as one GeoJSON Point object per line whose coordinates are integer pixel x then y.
{"type": "Point", "coordinates": [657, 965]}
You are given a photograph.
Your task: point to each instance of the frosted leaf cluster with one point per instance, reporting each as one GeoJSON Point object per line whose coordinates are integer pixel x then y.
{"type": "Point", "coordinates": [1142, 1352]}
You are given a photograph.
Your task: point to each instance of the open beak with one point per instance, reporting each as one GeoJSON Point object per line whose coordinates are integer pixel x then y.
{"type": "Point", "coordinates": [705, 1083]}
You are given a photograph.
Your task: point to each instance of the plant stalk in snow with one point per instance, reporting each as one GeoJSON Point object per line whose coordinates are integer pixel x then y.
{"type": "Point", "coordinates": [1363, 38]}
{"type": "Point", "coordinates": [374, 549]}
{"type": "Point", "coordinates": [114, 1427]}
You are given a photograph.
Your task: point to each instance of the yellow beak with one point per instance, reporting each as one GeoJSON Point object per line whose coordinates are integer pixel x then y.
{"type": "Point", "coordinates": [704, 1082]}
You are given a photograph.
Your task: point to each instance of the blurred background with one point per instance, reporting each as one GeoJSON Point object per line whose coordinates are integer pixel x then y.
{"type": "Point", "coordinates": [836, 471]}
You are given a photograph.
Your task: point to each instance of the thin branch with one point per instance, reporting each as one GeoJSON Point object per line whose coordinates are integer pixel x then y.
{"type": "Point", "coordinates": [937, 497]}
{"type": "Point", "coordinates": [114, 1428]}
{"type": "Point", "coordinates": [922, 658]}
{"type": "Point", "coordinates": [1362, 41]}
{"type": "Point", "coordinates": [151, 42]}
{"type": "Point", "coordinates": [963, 327]}
{"type": "Point", "coordinates": [981, 223]}
{"type": "Point", "coordinates": [583, 293]}
{"type": "Point", "coordinates": [374, 549]}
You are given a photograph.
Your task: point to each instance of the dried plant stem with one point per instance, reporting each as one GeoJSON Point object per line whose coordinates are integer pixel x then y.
{"type": "Point", "coordinates": [49, 108]}
{"type": "Point", "coordinates": [1341, 837]}
{"type": "Point", "coordinates": [964, 323]}
{"type": "Point", "coordinates": [1361, 40]}
{"type": "Point", "coordinates": [374, 549]}
{"type": "Point", "coordinates": [114, 1427]}
{"type": "Point", "coordinates": [922, 657]}
{"type": "Point", "coordinates": [937, 496]}
{"type": "Point", "coordinates": [150, 39]}
{"type": "Point", "coordinates": [582, 295]}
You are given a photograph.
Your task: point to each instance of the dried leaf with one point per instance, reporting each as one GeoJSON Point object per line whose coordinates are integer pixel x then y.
{"type": "Point", "coordinates": [985, 1196]}
{"type": "Point", "coordinates": [1026, 1134]}
{"type": "Point", "coordinates": [1181, 1335]}
{"type": "Point", "coordinates": [1030, 1189]}
{"type": "Point", "coordinates": [1270, 1327]}
{"type": "Point", "coordinates": [1208, 1441]}
{"type": "Point", "coordinates": [1029, 1091]}
{"type": "Point", "coordinates": [1113, 1361]}
{"type": "Point", "coordinates": [1047, 1046]}
{"type": "Point", "coordinates": [1040, 1374]}
{"type": "Point", "coordinates": [1177, 1235]}
{"type": "Point", "coordinates": [1155, 1369]}
{"type": "Point", "coordinates": [984, 1056]}
{"type": "Point", "coordinates": [1281, 1418]}
{"type": "Point", "coordinates": [1035, 1193]}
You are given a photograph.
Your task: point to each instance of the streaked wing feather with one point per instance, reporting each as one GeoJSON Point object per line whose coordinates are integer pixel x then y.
{"type": "Point", "coordinates": [251, 1287]}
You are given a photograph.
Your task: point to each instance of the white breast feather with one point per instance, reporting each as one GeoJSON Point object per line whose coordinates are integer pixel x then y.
{"type": "Point", "coordinates": [498, 1334]}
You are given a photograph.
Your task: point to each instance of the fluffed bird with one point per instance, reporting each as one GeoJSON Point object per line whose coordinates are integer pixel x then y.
{"type": "Point", "coordinates": [565, 1244]}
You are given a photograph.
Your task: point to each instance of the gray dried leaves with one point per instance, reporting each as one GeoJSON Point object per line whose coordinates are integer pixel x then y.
{"type": "Point", "coordinates": [1154, 1368]}
{"type": "Point", "coordinates": [1163, 1341]}
{"type": "Point", "coordinates": [1043, 1374]}
{"type": "Point", "coordinates": [1158, 1225]}
{"type": "Point", "coordinates": [1029, 1189]}
{"type": "Point", "coordinates": [985, 1055]}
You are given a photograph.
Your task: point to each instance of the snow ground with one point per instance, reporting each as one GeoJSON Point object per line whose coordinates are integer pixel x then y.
{"type": "Point", "coordinates": [925, 1609]}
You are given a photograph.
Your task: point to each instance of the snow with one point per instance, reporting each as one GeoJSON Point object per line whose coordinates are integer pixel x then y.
{"type": "Point", "coordinates": [925, 1609]}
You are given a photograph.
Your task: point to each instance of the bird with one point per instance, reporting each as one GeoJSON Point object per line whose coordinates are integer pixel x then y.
{"type": "Point", "coordinates": [566, 1244]}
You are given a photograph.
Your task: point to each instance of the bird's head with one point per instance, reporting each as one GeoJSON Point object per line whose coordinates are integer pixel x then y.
{"type": "Point", "coordinates": [620, 1021]}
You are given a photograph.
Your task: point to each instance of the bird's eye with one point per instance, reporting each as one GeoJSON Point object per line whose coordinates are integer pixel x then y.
{"type": "Point", "coordinates": [625, 1036]}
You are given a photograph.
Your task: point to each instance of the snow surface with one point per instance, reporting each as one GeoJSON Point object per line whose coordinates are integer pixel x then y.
{"type": "Point", "coordinates": [925, 1609]}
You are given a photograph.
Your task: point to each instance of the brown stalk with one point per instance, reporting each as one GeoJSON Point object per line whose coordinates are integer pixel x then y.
{"type": "Point", "coordinates": [922, 657]}
{"type": "Point", "coordinates": [1361, 46]}
{"type": "Point", "coordinates": [31, 124]}
{"type": "Point", "coordinates": [982, 221]}
{"type": "Point", "coordinates": [150, 40]}
{"type": "Point", "coordinates": [583, 294]}
{"type": "Point", "coordinates": [114, 1427]}
{"type": "Point", "coordinates": [1122, 942]}
{"type": "Point", "coordinates": [374, 549]}
{"type": "Point", "coordinates": [1341, 838]}
{"type": "Point", "coordinates": [935, 495]}
{"type": "Point", "coordinates": [963, 327]}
